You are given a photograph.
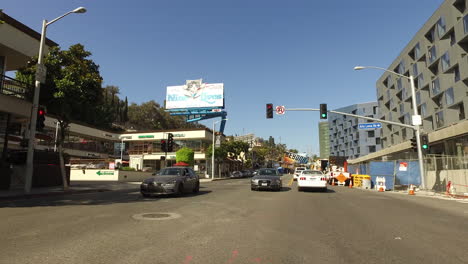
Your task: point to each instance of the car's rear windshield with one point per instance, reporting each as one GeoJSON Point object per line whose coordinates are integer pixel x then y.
{"type": "Point", "coordinates": [300, 169]}
{"type": "Point", "coordinates": [171, 171]}
{"type": "Point", "coordinates": [311, 172]}
{"type": "Point", "coordinates": [268, 172]}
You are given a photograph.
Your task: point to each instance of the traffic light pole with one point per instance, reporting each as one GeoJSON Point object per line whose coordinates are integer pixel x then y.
{"type": "Point", "coordinates": [32, 124]}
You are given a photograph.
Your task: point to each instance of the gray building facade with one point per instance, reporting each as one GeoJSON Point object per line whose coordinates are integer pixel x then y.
{"type": "Point", "coordinates": [346, 139]}
{"type": "Point", "coordinates": [437, 58]}
{"type": "Point", "coordinates": [324, 140]}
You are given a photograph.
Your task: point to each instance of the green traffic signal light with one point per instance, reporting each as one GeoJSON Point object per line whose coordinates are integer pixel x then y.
{"type": "Point", "coordinates": [324, 115]}
{"type": "Point", "coordinates": [424, 146]}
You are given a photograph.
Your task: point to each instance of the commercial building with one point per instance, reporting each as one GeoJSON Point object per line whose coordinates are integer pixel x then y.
{"type": "Point", "coordinates": [18, 43]}
{"type": "Point", "coordinates": [436, 58]}
{"type": "Point", "coordinates": [324, 140]}
{"type": "Point", "coordinates": [144, 148]}
{"type": "Point", "coordinates": [346, 139]}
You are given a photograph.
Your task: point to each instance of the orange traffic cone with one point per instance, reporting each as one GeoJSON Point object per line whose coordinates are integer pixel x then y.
{"type": "Point", "coordinates": [350, 184]}
{"type": "Point", "coordinates": [411, 190]}
{"type": "Point", "coordinates": [333, 182]}
{"type": "Point", "coordinates": [381, 189]}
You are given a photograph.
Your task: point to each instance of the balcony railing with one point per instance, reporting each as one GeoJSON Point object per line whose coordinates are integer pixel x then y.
{"type": "Point", "coordinates": [13, 87]}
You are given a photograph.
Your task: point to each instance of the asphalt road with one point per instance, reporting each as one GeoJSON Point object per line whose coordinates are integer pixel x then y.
{"type": "Point", "coordinates": [228, 223]}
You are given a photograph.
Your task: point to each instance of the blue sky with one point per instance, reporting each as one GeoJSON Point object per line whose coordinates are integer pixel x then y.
{"type": "Point", "coordinates": [292, 53]}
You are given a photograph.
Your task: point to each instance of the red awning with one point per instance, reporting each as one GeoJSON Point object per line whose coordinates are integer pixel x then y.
{"type": "Point", "coordinates": [180, 163]}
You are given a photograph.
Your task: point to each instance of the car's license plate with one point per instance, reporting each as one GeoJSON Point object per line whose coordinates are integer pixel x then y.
{"type": "Point", "coordinates": [264, 184]}
{"type": "Point", "coordinates": [312, 179]}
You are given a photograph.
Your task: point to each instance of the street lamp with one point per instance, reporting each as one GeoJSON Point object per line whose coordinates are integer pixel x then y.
{"type": "Point", "coordinates": [213, 149]}
{"type": "Point", "coordinates": [416, 120]}
{"type": "Point", "coordinates": [40, 74]}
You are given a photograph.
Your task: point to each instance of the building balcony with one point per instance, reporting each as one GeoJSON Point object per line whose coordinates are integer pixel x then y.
{"type": "Point", "coordinates": [15, 88]}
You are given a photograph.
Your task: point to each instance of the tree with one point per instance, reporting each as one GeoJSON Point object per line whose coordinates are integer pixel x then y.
{"type": "Point", "coordinates": [185, 155]}
{"type": "Point", "coordinates": [125, 113]}
{"type": "Point", "coordinates": [72, 90]}
{"type": "Point", "coordinates": [293, 151]}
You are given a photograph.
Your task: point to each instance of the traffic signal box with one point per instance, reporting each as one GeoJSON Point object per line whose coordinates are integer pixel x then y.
{"type": "Point", "coordinates": [40, 119]}
{"type": "Point", "coordinates": [414, 144]}
{"type": "Point", "coordinates": [170, 142]}
{"type": "Point", "coordinates": [163, 145]}
{"type": "Point", "coordinates": [425, 143]}
{"type": "Point", "coordinates": [323, 111]}
{"type": "Point", "coordinates": [269, 110]}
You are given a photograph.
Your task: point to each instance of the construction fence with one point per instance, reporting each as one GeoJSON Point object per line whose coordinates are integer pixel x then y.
{"type": "Point", "coordinates": [399, 174]}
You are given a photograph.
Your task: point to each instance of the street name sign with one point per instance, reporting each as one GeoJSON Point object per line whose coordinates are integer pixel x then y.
{"type": "Point", "coordinates": [369, 125]}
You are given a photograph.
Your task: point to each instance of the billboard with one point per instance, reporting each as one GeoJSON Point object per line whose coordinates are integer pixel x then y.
{"type": "Point", "coordinates": [292, 158]}
{"type": "Point", "coordinates": [195, 94]}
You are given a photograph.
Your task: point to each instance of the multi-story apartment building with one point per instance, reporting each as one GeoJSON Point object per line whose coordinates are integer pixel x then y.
{"type": "Point", "coordinates": [324, 140]}
{"type": "Point", "coordinates": [437, 58]}
{"type": "Point", "coordinates": [346, 139]}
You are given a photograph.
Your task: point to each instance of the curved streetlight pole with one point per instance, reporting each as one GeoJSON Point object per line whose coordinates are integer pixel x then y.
{"type": "Point", "coordinates": [213, 149]}
{"type": "Point", "coordinates": [32, 124]}
{"type": "Point", "coordinates": [416, 123]}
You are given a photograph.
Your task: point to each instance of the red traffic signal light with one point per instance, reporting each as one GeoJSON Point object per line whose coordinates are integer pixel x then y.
{"type": "Point", "coordinates": [163, 145]}
{"type": "Point", "coordinates": [40, 119]}
{"type": "Point", "coordinates": [269, 110]}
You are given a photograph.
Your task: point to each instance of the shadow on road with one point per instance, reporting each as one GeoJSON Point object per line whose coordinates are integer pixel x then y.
{"type": "Point", "coordinates": [317, 191]}
{"type": "Point", "coordinates": [97, 198]}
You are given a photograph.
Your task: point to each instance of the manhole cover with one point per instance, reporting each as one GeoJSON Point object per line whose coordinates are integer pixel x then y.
{"type": "Point", "coordinates": [156, 216]}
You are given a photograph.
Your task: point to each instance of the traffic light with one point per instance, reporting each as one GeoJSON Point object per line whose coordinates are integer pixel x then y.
{"type": "Point", "coordinates": [170, 142]}
{"type": "Point", "coordinates": [269, 110]}
{"type": "Point", "coordinates": [163, 145]}
{"type": "Point", "coordinates": [323, 111]}
{"type": "Point", "coordinates": [40, 119]}
{"type": "Point", "coordinates": [424, 142]}
{"type": "Point", "coordinates": [414, 144]}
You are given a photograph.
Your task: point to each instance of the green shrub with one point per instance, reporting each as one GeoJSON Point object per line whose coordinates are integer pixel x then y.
{"type": "Point", "coordinates": [185, 155]}
{"type": "Point", "coordinates": [127, 169]}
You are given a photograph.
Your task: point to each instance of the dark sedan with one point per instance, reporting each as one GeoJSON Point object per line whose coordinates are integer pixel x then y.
{"type": "Point", "coordinates": [175, 180]}
{"type": "Point", "coordinates": [266, 179]}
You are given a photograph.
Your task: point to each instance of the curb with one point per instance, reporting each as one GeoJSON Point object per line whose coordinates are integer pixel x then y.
{"type": "Point", "coordinates": [222, 179]}
{"type": "Point", "coordinates": [49, 194]}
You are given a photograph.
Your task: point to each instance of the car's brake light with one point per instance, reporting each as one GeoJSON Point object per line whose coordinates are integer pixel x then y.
{"type": "Point", "coordinates": [302, 178]}
{"type": "Point", "coordinates": [322, 179]}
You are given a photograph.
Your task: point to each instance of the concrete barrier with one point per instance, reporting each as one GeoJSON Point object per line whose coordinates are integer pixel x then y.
{"type": "Point", "coordinates": [108, 175]}
{"type": "Point", "coordinates": [133, 176]}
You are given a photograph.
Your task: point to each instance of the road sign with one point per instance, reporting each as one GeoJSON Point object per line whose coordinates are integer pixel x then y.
{"type": "Point", "coordinates": [369, 125]}
{"type": "Point", "coordinates": [280, 110]}
{"type": "Point", "coordinates": [216, 110]}
{"type": "Point", "coordinates": [41, 71]}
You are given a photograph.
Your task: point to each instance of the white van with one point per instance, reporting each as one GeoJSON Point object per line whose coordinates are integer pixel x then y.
{"type": "Point", "coordinates": [298, 171]}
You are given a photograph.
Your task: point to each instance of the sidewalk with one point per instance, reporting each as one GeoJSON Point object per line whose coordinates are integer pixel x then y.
{"type": "Point", "coordinates": [76, 187]}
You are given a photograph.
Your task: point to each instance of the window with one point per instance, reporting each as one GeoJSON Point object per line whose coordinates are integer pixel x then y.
{"type": "Point", "coordinates": [418, 98]}
{"type": "Point", "coordinates": [371, 133]}
{"type": "Point", "coordinates": [399, 84]}
{"type": "Point", "coordinates": [371, 149]}
{"type": "Point", "coordinates": [417, 51]}
{"type": "Point", "coordinates": [415, 69]}
{"type": "Point", "coordinates": [432, 54]}
{"type": "Point", "coordinates": [420, 81]}
{"type": "Point", "coordinates": [423, 110]}
{"type": "Point", "coordinates": [441, 27]}
{"type": "Point", "coordinates": [377, 141]}
{"type": "Point", "coordinates": [388, 94]}
{"type": "Point", "coordinates": [461, 112]}
{"type": "Point", "coordinates": [465, 23]}
{"type": "Point", "coordinates": [389, 81]}
{"type": "Point", "coordinates": [374, 110]}
{"type": "Point", "coordinates": [456, 73]}
{"type": "Point", "coordinates": [402, 108]}
{"type": "Point", "coordinates": [390, 116]}
{"type": "Point", "coordinates": [431, 35]}
{"type": "Point", "coordinates": [439, 119]}
{"type": "Point", "coordinates": [449, 99]}
{"type": "Point", "coordinates": [401, 67]}
{"type": "Point", "coordinates": [435, 87]}
{"type": "Point", "coordinates": [406, 119]}
{"type": "Point", "coordinates": [445, 61]}
{"type": "Point", "coordinates": [453, 40]}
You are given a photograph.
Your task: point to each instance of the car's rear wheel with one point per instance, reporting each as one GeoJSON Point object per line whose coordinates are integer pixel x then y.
{"type": "Point", "coordinates": [197, 188]}
{"type": "Point", "coordinates": [299, 189]}
{"type": "Point", "coordinates": [252, 188]}
{"type": "Point", "coordinates": [145, 195]}
{"type": "Point", "coordinates": [324, 189]}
